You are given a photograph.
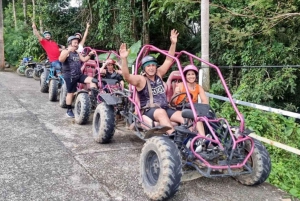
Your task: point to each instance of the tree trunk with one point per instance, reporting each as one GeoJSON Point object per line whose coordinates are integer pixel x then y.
{"type": "Point", "coordinates": [33, 10]}
{"type": "Point", "coordinates": [24, 12]}
{"type": "Point", "coordinates": [2, 63]}
{"type": "Point", "coordinates": [205, 42]}
{"type": "Point", "coordinates": [145, 22]}
{"type": "Point", "coordinates": [133, 20]}
{"type": "Point", "coordinates": [41, 25]}
{"type": "Point", "coordinates": [14, 13]}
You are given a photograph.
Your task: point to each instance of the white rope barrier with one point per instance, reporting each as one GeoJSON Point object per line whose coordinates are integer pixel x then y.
{"type": "Point", "coordinates": [260, 107]}
{"type": "Point", "coordinates": [269, 109]}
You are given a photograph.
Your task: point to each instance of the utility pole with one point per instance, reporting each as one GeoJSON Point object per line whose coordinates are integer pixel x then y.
{"type": "Point", "coordinates": [205, 43]}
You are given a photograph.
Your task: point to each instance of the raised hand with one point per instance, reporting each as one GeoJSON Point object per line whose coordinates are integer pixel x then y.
{"type": "Point", "coordinates": [33, 25]}
{"type": "Point", "coordinates": [72, 49]}
{"type": "Point", "coordinates": [88, 25]}
{"type": "Point", "coordinates": [123, 51]}
{"type": "Point", "coordinates": [174, 35]}
{"type": "Point", "coordinates": [93, 52]}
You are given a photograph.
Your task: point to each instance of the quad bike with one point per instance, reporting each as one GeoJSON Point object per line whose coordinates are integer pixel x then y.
{"type": "Point", "coordinates": [50, 82]}
{"type": "Point", "coordinates": [224, 151]}
{"type": "Point", "coordinates": [39, 69]}
{"type": "Point", "coordinates": [85, 99]}
{"type": "Point", "coordinates": [26, 67]}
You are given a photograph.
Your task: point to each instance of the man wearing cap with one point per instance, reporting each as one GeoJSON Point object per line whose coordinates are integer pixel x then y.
{"type": "Point", "coordinates": [51, 47]}
{"type": "Point", "coordinates": [158, 111]}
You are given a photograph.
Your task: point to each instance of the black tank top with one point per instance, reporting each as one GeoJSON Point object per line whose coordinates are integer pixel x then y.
{"type": "Point", "coordinates": [71, 66]}
{"type": "Point", "coordinates": [158, 91]}
{"type": "Point", "coordinates": [113, 75]}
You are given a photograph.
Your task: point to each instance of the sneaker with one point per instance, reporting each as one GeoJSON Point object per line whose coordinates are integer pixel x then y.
{"type": "Point", "coordinates": [199, 145]}
{"type": "Point", "coordinates": [70, 113]}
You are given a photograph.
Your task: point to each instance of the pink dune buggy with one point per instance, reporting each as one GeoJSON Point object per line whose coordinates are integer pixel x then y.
{"type": "Point", "coordinates": [85, 99]}
{"type": "Point", "coordinates": [163, 160]}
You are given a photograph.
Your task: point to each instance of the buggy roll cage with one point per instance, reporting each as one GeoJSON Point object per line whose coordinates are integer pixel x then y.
{"type": "Point", "coordinates": [147, 48]}
{"type": "Point", "coordinates": [229, 147]}
{"type": "Point", "coordinates": [97, 62]}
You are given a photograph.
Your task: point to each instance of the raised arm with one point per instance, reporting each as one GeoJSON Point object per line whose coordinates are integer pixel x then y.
{"type": "Point", "coordinates": [64, 55]}
{"type": "Point", "coordinates": [85, 34]}
{"type": "Point", "coordinates": [35, 32]}
{"type": "Point", "coordinates": [87, 57]}
{"type": "Point", "coordinates": [102, 70]}
{"type": "Point", "coordinates": [135, 80]}
{"type": "Point", "coordinates": [163, 69]}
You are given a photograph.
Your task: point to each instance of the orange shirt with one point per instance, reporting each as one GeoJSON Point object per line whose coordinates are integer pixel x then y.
{"type": "Point", "coordinates": [195, 93]}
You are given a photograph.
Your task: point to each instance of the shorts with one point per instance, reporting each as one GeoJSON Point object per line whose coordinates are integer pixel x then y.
{"type": "Point", "coordinates": [71, 83]}
{"type": "Point", "coordinates": [150, 112]}
{"type": "Point", "coordinates": [56, 65]}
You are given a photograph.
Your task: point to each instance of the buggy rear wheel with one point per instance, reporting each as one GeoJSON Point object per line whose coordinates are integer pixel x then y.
{"type": "Point", "coordinates": [104, 123]}
{"type": "Point", "coordinates": [260, 163]}
{"type": "Point", "coordinates": [82, 108]}
{"type": "Point", "coordinates": [160, 168]}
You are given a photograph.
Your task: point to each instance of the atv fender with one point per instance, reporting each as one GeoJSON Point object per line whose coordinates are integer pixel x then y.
{"type": "Point", "coordinates": [110, 99]}
{"type": "Point", "coordinates": [80, 92]}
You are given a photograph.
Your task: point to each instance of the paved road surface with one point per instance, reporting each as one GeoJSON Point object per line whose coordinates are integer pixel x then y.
{"type": "Point", "coordinates": [45, 156]}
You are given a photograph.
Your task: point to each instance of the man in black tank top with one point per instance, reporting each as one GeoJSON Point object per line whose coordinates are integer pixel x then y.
{"type": "Point", "coordinates": [161, 112]}
{"type": "Point", "coordinates": [72, 74]}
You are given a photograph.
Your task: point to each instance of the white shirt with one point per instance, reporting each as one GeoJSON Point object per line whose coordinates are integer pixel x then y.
{"type": "Point", "coordinates": [80, 48]}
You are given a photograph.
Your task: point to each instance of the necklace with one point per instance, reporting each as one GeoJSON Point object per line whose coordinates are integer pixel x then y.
{"type": "Point", "coordinates": [192, 87]}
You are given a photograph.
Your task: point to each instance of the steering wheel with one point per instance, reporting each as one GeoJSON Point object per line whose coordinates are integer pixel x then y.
{"type": "Point", "coordinates": [182, 103]}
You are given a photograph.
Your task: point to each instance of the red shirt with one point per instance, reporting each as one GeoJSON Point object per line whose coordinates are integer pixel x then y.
{"type": "Point", "coordinates": [51, 49]}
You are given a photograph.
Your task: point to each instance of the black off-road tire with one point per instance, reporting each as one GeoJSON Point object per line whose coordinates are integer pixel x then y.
{"type": "Point", "coordinates": [82, 108]}
{"type": "Point", "coordinates": [104, 123]}
{"type": "Point", "coordinates": [43, 84]}
{"type": "Point", "coordinates": [260, 162]}
{"type": "Point", "coordinates": [29, 72]}
{"type": "Point", "coordinates": [160, 168]}
{"type": "Point", "coordinates": [53, 90]}
{"type": "Point", "coordinates": [36, 75]}
{"type": "Point", "coordinates": [19, 72]}
{"type": "Point", "coordinates": [63, 96]}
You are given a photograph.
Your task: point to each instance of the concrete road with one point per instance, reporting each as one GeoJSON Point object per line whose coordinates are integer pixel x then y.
{"type": "Point", "coordinates": [45, 156]}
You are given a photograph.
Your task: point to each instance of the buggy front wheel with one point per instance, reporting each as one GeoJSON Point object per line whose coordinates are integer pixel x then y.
{"type": "Point", "coordinates": [160, 168]}
{"type": "Point", "coordinates": [82, 108]}
{"type": "Point", "coordinates": [260, 163]}
{"type": "Point", "coordinates": [104, 123]}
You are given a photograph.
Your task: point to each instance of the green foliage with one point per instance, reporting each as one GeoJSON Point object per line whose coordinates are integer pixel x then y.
{"type": "Point", "coordinates": [243, 33]}
{"type": "Point", "coordinates": [272, 126]}
{"type": "Point", "coordinates": [134, 50]}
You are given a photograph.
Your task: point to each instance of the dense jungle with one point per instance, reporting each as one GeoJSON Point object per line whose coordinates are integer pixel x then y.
{"type": "Point", "coordinates": [255, 43]}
